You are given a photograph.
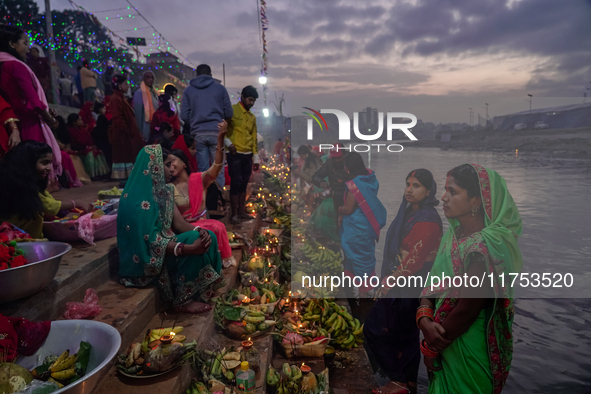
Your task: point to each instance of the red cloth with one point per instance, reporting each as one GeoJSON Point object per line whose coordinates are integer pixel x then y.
{"type": "Point", "coordinates": [8, 340]}
{"type": "Point", "coordinates": [31, 335]}
{"type": "Point", "coordinates": [161, 115]}
{"type": "Point", "coordinates": [278, 147]}
{"type": "Point", "coordinates": [423, 240]}
{"type": "Point", "coordinates": [124, 134]}
{"type": "Point", "coordinates": [9, 231]}
{"type": "Point", "coordinates": [6, 113]}
{"type": "Point", "coordinates": [86, 115]}
{"type": "Point", "coordinates": [80, 137]}
{"type": "Point", "coordinates": [182, 145]}
{"type": "Point", "coordinates": [217, 227]}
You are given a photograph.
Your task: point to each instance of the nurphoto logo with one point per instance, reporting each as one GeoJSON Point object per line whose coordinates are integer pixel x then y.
{"type": "Point", "coordinates": [392, 119]}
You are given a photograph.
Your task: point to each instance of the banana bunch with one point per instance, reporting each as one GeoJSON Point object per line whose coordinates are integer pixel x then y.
{"type": "Point", "coordinates": [324, 259]}
{"type": "Point", "coordinates": [156, 334]}
{"type": "Point", "coordinates": [287, 386]}
{"type": "Point", "coordinates": [197, 388]}
{"type": "Point", "coordinates": [254, 317]}
{"type": "Point", "coordinates": [64, 367]}
{"type": "Point", "coordinates": [334, 321]}
{"type": "Point", "coordinates": [269, 296]}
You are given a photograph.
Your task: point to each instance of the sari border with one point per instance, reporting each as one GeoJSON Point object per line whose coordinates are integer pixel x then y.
{"type": "Point", "coordinates": [354, 190]}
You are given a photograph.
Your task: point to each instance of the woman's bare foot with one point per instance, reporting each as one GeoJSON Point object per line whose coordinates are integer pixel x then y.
{"type": "Point", "coordinates": [392, 388]}
{"type": "Point", "coordinates": [194, 307]}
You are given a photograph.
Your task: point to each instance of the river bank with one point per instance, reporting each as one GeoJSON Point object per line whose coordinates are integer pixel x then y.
{"type": "Point", "coordinates": [571, 141]}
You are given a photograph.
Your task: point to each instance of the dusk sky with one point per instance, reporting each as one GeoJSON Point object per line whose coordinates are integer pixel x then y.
{"type": "Point", "coordinates": [356, 54]}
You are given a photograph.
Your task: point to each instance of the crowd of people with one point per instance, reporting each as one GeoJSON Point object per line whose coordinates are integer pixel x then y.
{"type": "Point", "coordinates": [169, 157]}
{"type": "Point", "coordinates": [467, 346]}
{"type": "Point", "coordinates": [172, 159]}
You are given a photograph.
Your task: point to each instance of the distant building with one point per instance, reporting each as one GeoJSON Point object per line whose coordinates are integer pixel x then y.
{"type": "Point", "coordinates": [562, 117]}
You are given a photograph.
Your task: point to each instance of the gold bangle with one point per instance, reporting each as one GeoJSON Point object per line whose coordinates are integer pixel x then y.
{"type": "Point", "coordinates": [218, 165]}
{"type": "Point", "coordinates": [13, 120]}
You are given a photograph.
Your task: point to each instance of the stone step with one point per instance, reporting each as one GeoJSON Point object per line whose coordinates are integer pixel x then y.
{"type": "Point", "coordinates": [85, 266]}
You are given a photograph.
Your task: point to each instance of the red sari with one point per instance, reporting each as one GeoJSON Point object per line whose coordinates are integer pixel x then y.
{"type": "Point", "coordinates": [217, 227]}
{"type": "Point", "coordinates": [162, 115]}
{"type": "Point", "coordinates": [181, 144]}
{"type": "Point", "coordinates": [6, 115]}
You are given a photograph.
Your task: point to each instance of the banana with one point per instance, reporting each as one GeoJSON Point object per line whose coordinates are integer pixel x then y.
{"type": "Point", "coordinates": [296, 374]}
{"type": "Point", "coordinates": [331, 319]}
{"type": "Point", "coordinates": [255, 313]}
{"type": "Point", "coordinates": [349, 340]}
{"type": "Point", "coordinates": [254, 319]}
{"type": "Point", "coordinates": [271, 377]}
{"type": "Point", "coordinates": [359, 331]}
{"type": "Point", "coordinates": [65, 374]}
{"type": "Point", "coordinates": [59, 360]}
{"type": "Point", "coordinates": [65, 364]}
{"type": "Point", "coordinates": [287, 370]}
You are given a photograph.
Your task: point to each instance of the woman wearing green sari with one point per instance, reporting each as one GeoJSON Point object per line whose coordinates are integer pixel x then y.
{"type": "Point", "coordinates": [468, 339]}
{"type": "Point", "coordinates": [157, 246]}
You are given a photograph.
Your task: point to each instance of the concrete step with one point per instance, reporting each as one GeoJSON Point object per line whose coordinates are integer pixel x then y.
{"type": "Point", "coordinates": [85, 266]}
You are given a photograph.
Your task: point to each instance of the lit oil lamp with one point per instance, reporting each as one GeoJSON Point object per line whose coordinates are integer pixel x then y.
{"type": "Point", "coordinates": [167, 339]}
{"type": "Point", "coordinates": [246, 345]}
{"type": "Point", "coordinates": [305, 368]}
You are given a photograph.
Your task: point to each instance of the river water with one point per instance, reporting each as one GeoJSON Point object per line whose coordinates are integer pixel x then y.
{"type": "Point", "coordinates": [552, 335]}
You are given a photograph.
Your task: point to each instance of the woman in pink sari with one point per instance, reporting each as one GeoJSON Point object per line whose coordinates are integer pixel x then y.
{"type": "Point", "coordinates": [190, 189]}
{"type": "Point", "coordinates": [23, 91]}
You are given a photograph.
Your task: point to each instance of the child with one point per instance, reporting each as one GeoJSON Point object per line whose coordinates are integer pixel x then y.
{"type": "Point", "coordinates": [24, 199]}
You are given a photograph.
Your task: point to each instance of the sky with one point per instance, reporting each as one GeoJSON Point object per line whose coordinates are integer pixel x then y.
{"type": "Point", "coordinates": [352, 54]}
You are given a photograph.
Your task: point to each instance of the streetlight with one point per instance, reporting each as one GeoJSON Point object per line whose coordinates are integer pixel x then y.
{"type": "Point", "coordinates": [530, 97]}
{"type": "Point", "coordinates": [266, 112]}
{"type": "Point", "coordinates": [262, 80]}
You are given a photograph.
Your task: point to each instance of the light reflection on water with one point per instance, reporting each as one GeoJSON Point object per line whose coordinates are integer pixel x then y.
{"type": "Point", "coordinates": [552, 337]}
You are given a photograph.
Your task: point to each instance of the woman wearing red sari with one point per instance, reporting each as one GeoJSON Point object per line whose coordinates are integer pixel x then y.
{"type": "Point", "coordinates": [190, 190]}
{"type": "Point", "coordinates": [166, 112]}
{"type": "Point", "coordinates": [9, 134]}
{"type": "Point", "coordinates": [124, 135]}
{"type": "Point", "coordinates": [186, 143]}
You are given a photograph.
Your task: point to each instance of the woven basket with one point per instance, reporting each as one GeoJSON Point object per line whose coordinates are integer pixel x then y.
{"type": "Point", "coordinates": [105, 227]}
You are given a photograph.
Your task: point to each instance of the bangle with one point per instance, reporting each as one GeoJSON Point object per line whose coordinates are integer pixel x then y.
{"type": "Point", "coordinates": [181, 249]}
{"type": "Point", "coordinates": [424, 311]}
{"type": "Point", "coordinates": [176, 247]}
{"type": "Point", "coordinates": [197, 228]}
{"type": "Point", "coordinates": [427, 352]}
{"type": "Point", "coordinates": [217, 165]}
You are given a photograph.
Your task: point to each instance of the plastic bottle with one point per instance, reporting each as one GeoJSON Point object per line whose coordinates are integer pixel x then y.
{"type": "Point", "coordinates": [245, 380]}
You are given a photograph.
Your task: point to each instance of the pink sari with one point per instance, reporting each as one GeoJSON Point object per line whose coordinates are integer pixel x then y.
{"type": "Point", "coordinates": [217, 227]}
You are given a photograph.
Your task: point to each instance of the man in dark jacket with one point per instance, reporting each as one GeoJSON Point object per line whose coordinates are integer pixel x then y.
{"type": "Point", "coordinates": [206, 104]}
{"type": "Point", "coordinates": [334, 169]}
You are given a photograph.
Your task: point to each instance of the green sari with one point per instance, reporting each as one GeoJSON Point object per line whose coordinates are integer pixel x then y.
{"type": "Point", "coordinates": [144, 223]}
{"type": "Point", "coordinates": [324, 218]}
{"type": "Point", "coordinates": [479, 360]}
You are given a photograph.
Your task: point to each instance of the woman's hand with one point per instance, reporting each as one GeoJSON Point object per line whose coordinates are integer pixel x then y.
{"type": "Point", "coordinates": [223, 128]}
{"type": "Point", "coordinates": [14, 139]}
{"type": "Point", "coordinates": [430, 364]}
{"type": "Point", "coordinates": [200, 246]}
{"type": "Point", "coordinates": [434, 334]}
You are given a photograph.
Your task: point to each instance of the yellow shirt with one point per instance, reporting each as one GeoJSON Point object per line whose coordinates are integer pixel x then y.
{"type": "Point", "coordinates": [34, 227]}
{"type": "Point", "coordinates": [242, 130]}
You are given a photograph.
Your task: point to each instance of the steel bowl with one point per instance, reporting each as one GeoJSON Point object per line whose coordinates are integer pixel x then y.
{"type": "Point", "coordinates": [43, 262]}
{"type": "Point", "coordinates": [67, 334]}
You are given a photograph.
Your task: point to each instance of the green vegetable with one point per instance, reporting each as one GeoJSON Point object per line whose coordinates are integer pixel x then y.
{"type": "Point", "coordinates": [250, 328]}
{"type": "Point", "coordinates": [83, 357]}
{"type": "Point", "coordinates": [262, 326]}
{"type": "Point", "coordinates": [233, 314]}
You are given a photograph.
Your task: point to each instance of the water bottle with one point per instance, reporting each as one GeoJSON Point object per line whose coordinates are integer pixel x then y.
{"type": "Point", "coordinates": [245, 380]}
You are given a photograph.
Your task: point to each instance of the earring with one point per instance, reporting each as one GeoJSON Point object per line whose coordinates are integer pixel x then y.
{"type": "Point", "coordinates": [474, 211]}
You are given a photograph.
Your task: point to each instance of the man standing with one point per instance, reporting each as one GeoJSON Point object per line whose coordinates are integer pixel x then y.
{"type": "Point", "coordinates": [205, 104]}
{"type": "Point", "coordinates": [107, 77]}
{"type": "Point", "coordinates": [65, 90]}
{"type": "Point", "coordinates": [241, 141]}
{"type": "Point", "coordinates": [145, 103]}
{"type": "Point", "coordinates": [88, 82]}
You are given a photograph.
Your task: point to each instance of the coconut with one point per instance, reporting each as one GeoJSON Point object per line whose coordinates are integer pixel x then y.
{"type": "Point", "coordinates": [254, 263]}
{"type": "Point", "coordinates": [13, 378]}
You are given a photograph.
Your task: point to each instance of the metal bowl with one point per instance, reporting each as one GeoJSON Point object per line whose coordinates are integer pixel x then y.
{"type": "Point", "coordinates": [43, 262]}
{"type": "Point", "coordinates": [67, 334]}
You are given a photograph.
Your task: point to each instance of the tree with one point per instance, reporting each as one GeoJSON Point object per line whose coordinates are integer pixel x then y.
{"type": "Point", "coordinates": [20, 13]}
